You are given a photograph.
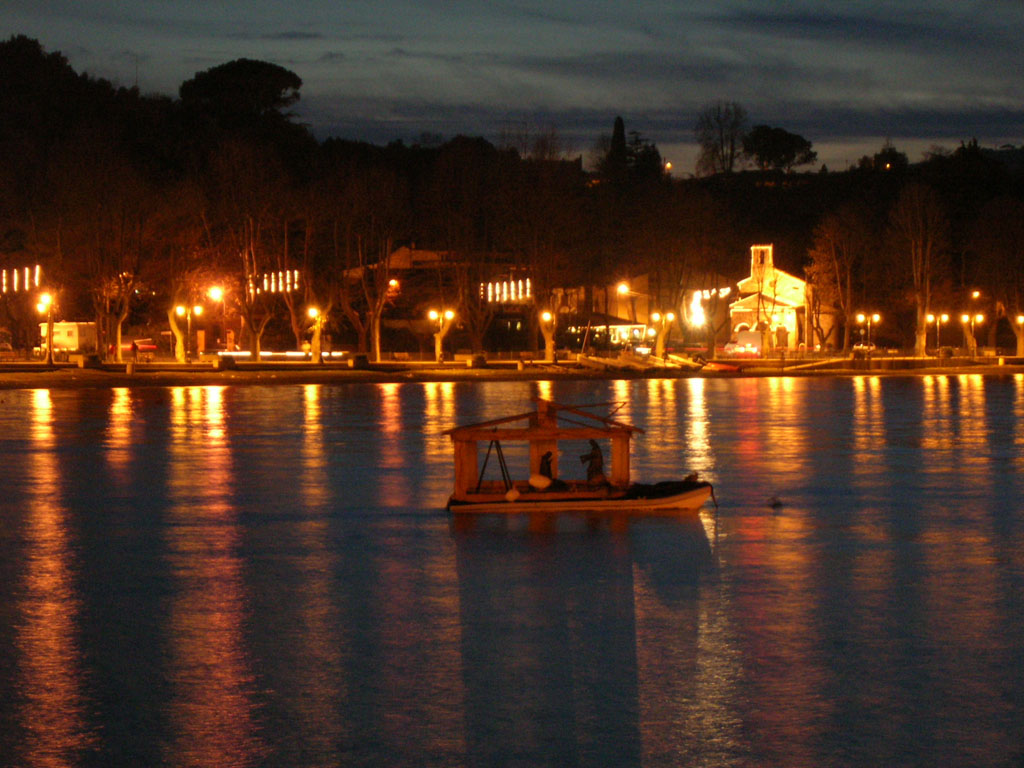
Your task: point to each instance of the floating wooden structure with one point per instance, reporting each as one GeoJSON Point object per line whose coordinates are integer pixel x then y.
{"type": "Point", "coordinates": [542, 430]}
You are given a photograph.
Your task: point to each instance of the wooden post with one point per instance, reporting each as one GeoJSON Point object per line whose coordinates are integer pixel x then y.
{"type": "Point", "coordinates": [466, 473]}
{"type": "Point", "coordinates": [620, 459]}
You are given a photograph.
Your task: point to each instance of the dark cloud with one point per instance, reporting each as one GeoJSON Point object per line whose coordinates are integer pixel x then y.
{"type": "Point", "coordinates": [929, 69]}
{"type": "Point", "coordinates": [301, 36]}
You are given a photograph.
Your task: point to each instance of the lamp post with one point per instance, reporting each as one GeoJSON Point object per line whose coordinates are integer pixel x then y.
{"type": "Point", "coordinates": [187, 312]}
{"type": "Point", "coordinates": [969, 321]}
{"type": "Point", "coordinates": [623, 290]}
{"type": "Point", "coordinates": [547, 328]}
{"type": "Point", "coordinates": [315, 345]}
{"type": "Point", "coordinates": [865, 319]}
{"type": "Point", "coordinates": [938, 320]}
{"type": "Point", "coordinates": [217, 295]}
{"type": "Point", "coordinates": [443, 318]}
{"type": "Point", "coordinates": [45, 307]}
{"type": "Point", "coordinates": [662, 322]}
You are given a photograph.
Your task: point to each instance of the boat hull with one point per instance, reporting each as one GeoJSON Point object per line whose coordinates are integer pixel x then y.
{"type": "Point", "coordinates": [659, 499]}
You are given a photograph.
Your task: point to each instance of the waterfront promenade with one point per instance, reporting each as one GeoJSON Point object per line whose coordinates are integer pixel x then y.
{"type": "Point", "coordinates": [32, 375]}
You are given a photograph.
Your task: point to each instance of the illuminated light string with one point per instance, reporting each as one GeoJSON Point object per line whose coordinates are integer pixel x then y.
{"type": "Point", "coordinates": [507, 291]}
{"type": "Point", "coordinates": [283, 281]}
{"type": "Point", "coordinates": [20, 279]}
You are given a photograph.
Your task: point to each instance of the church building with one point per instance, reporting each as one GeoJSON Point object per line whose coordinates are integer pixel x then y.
{"type": "Point", "coordinates": [773, 302]}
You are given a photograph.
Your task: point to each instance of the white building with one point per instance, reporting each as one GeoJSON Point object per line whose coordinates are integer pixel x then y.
{"type": "Point", "coordinates": [71, 337]}
{"type": "Point", "coordinates": [773, 302]}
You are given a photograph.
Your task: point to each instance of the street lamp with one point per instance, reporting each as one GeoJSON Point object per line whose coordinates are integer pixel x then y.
{"type": "Point", "coordinates": [217, 295]}
{"type": "Point", "coordinates": [970, 320]}
{"type": "Point", "coordinates": [315, 347]}
{"type": "Point", "coordinates": [443, 318]}
{"type": "Point", "coordinates": [662, 321]}
{"type": "Point", "coordinates": [547, 329]}
{"type": "Point", "coordinates": [623, 290]}
{"type": "Point", "coordinates": [938, 320]}
{"type": "Point", "coordinates": [187, 312]}
{"type": "Point", "coordinates": [864, 318]}
{"type": "Point", "coordinates": [45, 307]}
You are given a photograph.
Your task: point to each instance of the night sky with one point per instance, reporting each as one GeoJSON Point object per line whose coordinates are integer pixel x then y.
{"type": "Point", "coordinates": [846, 75]}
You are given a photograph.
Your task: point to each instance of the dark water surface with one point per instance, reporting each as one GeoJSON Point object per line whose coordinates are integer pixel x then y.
{"type": "Point", "coordinates": [266, 576]}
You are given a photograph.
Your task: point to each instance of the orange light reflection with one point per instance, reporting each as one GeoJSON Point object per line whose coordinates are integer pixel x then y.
{"type": "Point", "coordinates": [119, 434]}
{"type": "Point", "coordinates": [48, 659]}
{"type": "Point", "coordinates": [212, 707]}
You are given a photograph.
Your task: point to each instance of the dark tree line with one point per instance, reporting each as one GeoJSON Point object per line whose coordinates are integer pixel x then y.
{"type": "Point", "coordinates": [136, 204]}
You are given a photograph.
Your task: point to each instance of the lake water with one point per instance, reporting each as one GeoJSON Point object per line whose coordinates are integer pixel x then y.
{"type": "Point", "coordinates": [264, 576]}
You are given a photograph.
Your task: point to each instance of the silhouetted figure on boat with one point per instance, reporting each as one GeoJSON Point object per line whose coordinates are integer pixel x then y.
{"type": "Point", "coordinates": [545, 465]}
{"type": "Point", "coordinates": [545, 471]}
{"type": "Point", "coordinates": [595, 464]}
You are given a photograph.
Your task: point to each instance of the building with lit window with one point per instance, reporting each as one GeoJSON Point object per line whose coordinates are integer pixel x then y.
{"type": "Point", "coordinates": [772, 302]}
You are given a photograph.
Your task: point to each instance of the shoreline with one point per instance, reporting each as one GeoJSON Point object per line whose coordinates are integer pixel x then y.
{"type": "Point", "coordinates": [40, 376]}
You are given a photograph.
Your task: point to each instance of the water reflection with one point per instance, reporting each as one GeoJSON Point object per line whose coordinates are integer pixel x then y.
{"type": "Point", "coordinates": [299, 610]}
{"type": "Point", "coordinates": [394, 492]}
{"type": "Point", "coordinates": [119, 437]}
{"type": "Point", "coordinates": [868, 424]}
{"type": "Point", "coordinates": [212, 708]}
{"type": "Point", "coordinates": [785, 448]}
{"type": "Point", "coordinates": [972, 429]}
{"type": "Point", "coordinates": [52, 706]}
{"type": "Point", "coordinates": [552, 671]}
{"type": "Point", "coordinates": [438, 414]}
{"type": "Point", "coordinates": [313, 483]}
{"type": "Point", "coordinates": [545, 389]}
{"type": "Point", "coordinates": [622, 394]}
{"type": "Point", "coordinates": [282, 612]}
{"type": "Point", "coordinates": [415, 672]}
{"type": "Point", "coordinates": [698, 417]}
{"type": "Point", "coordinates": [1017, 411]}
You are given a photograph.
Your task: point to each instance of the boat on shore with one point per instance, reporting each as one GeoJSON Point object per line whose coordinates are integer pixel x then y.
{"type": "Point", "coordinates": [544, 490]}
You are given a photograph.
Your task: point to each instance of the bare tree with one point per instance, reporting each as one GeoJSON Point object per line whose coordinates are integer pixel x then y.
{"type": "Point", "coordinates": [997, 239]}
{"type": "Point", "coordinates": [539, 224]}
{"type": "Point", "coordinates": [919, 233]}
{"type": "Point", "coordinates": [104, 228]}
{"type": "Point", "coordinates": [719, 130]}
{"type": "Point", "coordinates": [367, 212]}
{"type": "Point", "coordinates": [842, 241]}
{"type": "Point", "coordinates": [244, 201]}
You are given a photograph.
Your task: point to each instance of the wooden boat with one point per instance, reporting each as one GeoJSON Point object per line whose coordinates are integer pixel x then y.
{"type": "Point", "coordinates": [544, 490]}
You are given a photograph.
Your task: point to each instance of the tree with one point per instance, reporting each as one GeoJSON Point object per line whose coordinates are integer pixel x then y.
{"type": "Point", "coordinates": [888, 159]}
{"type": "Point", "coordinates": [719, 131]}
{"type": "Point", "coordinates": [777, 149]}
{"type": "Point", "coordinates": [997, 238]}
{"type": "Point", "coordinates": [842, 242]}
{"type": "Point", "coordinates": [367, 215]}
{"type": "Point", "coordinates": [614, 166]}
{"type": "Point", "coordinates": [245, 100]}
{"type": "Point", "coordinates": [919, 237]}
{"type": "Point", "coordinates": [626, 163]}
{"type": "Point", "coordinates": [245, 193]}
{"type": "Point", "coordinates": [242, 90]}
{"type": "Point", "coordinates": [682, 249]}
{"type": "Point", "coordinates": [644, 160]}
{"type": "Point", "coordinates": [541, 222]}
{"type": "Point", "coordinates": [466, 180]}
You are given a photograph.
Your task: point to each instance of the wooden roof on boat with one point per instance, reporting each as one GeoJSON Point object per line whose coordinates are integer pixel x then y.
{"type": "Point", "coordinates": [577, 424]}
